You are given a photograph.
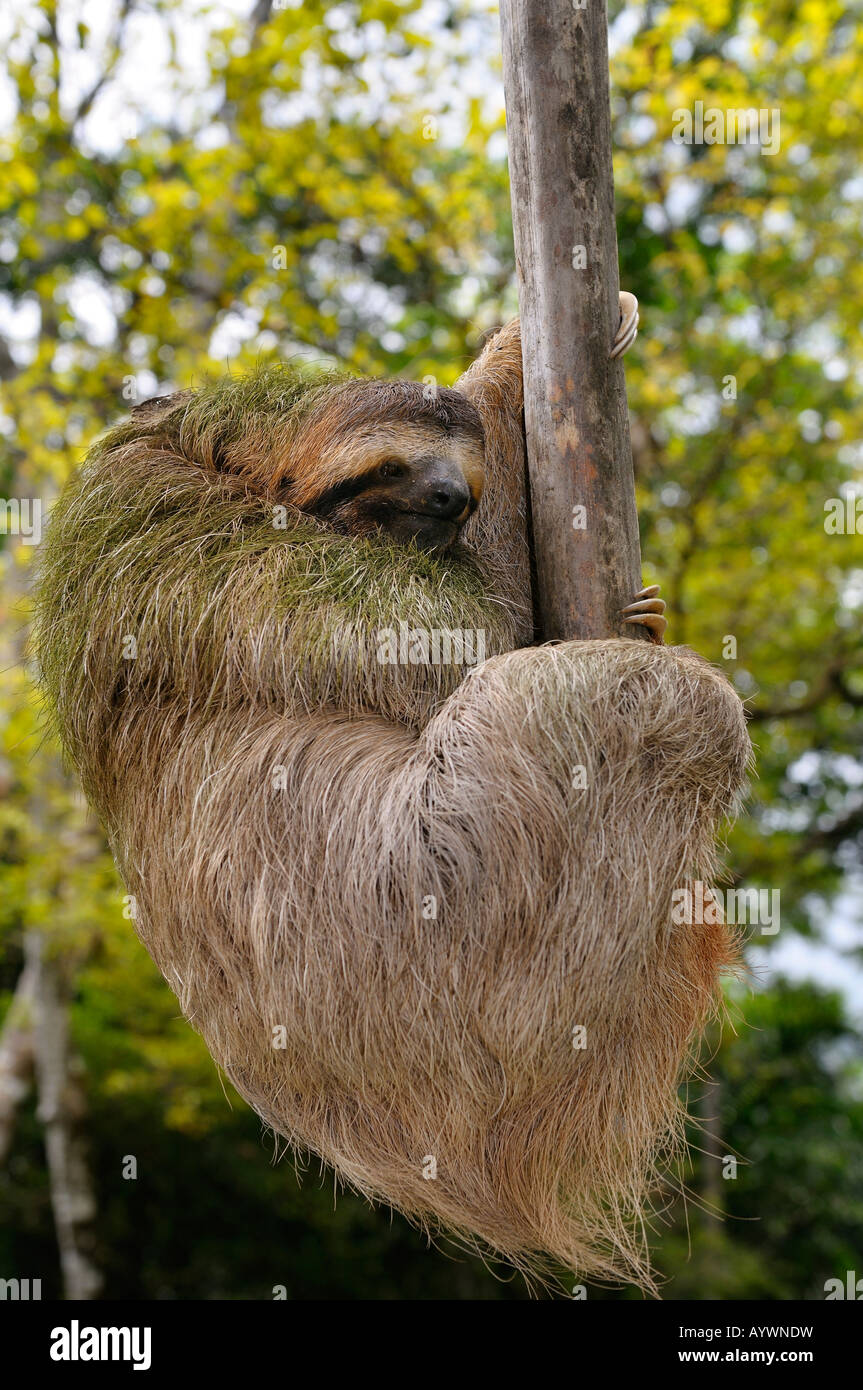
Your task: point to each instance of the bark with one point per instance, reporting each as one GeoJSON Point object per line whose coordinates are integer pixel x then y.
{"type": "Point", "coordinates": [559, 130]}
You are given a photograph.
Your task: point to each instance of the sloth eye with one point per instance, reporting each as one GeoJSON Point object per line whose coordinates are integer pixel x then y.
{"type": "Point", "coordinates": [391, 469]}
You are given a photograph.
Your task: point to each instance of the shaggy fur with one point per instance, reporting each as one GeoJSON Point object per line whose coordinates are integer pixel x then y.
{"type": "Point", "coordinates": [285, 809]}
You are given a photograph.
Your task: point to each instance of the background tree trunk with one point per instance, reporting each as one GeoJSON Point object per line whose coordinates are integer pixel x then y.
{"type": "Point", "coordinates": [16, 1055]}
{"type": "Point", "coordinates": [62, 1108]}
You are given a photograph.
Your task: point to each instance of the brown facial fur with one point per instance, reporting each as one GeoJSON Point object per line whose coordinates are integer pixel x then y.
{"type": "Point", "coordinates": [329, 448]}
{"type": "Point", "coordinates": [341, 436]}
{"type": "Point", "coordinates": [389, 477]}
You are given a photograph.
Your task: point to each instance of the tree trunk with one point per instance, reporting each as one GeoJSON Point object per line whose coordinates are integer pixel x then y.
{"type": "Point", "coordinates": [579, 455]}
{"type": "Point", "coordinates": [16, 1055]}
{"type": "Point", "coordinates": [35, 1040]}
{"type": "Point", "coordinates": [62, 1107]}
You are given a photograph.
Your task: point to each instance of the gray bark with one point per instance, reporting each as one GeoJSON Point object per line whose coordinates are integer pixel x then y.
{"type": "Point", "coordinates": [559, 131]}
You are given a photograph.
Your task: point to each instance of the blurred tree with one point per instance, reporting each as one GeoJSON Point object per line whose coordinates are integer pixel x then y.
{"type": "Point", "coordinates": [792, 1114]}
{"type": "Point", "coordinates": [186, 190]}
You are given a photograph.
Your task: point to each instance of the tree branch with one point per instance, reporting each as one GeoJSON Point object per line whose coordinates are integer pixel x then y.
{"type": "Point", "coordinates": [115, 49]}
{"type": "Point", "coordinates": [832, 682]}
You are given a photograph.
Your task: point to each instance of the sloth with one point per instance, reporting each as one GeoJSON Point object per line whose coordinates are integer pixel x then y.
{"type": "Point", "coordinates": [417, 943]}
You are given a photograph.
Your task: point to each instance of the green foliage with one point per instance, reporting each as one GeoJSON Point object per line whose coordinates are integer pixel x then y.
{"type": "Point", "coordinates": [294, 207]}
{"type": "Point", "coordinates": [787, 1088]}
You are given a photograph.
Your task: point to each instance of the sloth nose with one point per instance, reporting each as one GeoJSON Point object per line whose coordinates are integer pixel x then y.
{"type": "Point", "coordinates": [447, 498]}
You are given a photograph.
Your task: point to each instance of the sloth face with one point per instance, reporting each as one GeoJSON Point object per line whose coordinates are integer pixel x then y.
{"type": "Point", "coordinates": [418, 483]}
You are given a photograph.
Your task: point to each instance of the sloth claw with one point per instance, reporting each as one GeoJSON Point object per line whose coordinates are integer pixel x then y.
{"type": "Point", "coordinates": [654, 621]}
{"type": "Point", "coordinates": [650, 605]}
{"type": "Point", "coordinates": [627, 329]}
{"type": "Point", "coordinates": [647, 611]}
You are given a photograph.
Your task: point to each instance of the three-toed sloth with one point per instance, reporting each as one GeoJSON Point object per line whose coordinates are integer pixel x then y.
{"type": "Point", "coordinates": [383, 890]}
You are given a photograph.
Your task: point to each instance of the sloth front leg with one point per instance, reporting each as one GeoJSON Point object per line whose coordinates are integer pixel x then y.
{"type": "Point", "coordinates": [501, 357]}
{"type": "Point", "coordinates": [498, 529]}
{"type": "Point", "coordinates": [647, 611]}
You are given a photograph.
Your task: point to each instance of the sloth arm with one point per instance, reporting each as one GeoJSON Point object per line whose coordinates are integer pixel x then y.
{"type": "Point", "coordinates": [498, 531]}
